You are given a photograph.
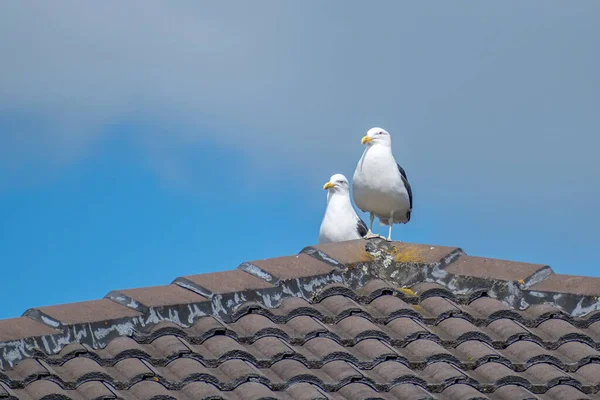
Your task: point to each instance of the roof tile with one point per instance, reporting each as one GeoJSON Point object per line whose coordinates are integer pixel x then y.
{"type": "Point", "coordinates": [41, 388]}
{"type": "Point", "coordinates": [169, 346]}
{"type": "Point", "coordinates": [306, 391]}
{"type": "Point", "coordinates": [339, 305]}
{"type": "Point", "coordinates": [558, 283]}
{"type": "Point", "coordinates": [303, 326]}
{"type": "Point", "coordinates": [253, 390]}
{"type": "Point", "coordinates": [423, 349]}
{"type": "Point", "coordinates": [475, 350]}
{"type": "Point", "coordinates": [201, 390]}
{"type": "Point", "coordinates": [543, 373]}
{"type": "Point", "coordinates": [148, 389]}
{"type": "Point", "coordinates": [292, 267]}
{"type": "Point", "coordinates": [410, 391]}
{"type": "Point", "coordinates": [493, 372]}
{"type": "Point", "coordinates": [341, 371]}
{"type": "Point", "coordinates": [458, 328]}
{"type": "Point", "coordinates": [218, 346]}
{"type": "Point", "coordinates": [183, 369]}
{"type": "Point", "coordinates": [96, 390]}
{"type": "Point", "coordinates": [22, 327]}
{"type": "Point", "coordinates": [490, 268]}
{"type": "Point", "coordinates": [371, 349]}
{"type": "Point", "coordinates": [512, 392]}
{"type": "Point", "coordinates": [251, 324]}
{"type": "Point", "coordinates": [88, 311]}
{"type": "Point", "coordinates": [463, 392]}
{"type": "Point", "coordinates": [589, 374]}
{"type": "Point", "coordinates": [357, 327]}
{"type": "Point", "coordinates": [349, 252]}
{"type": "Point", "coordinates": [390, 306]}
{"type": "Point", "coordinates": [75, 368]}
{"type": "Point", "coordinates": [577, 351]}
{"type": "Point", "coordinates": [388, 371]}
{"type": "Point", "coordinates": [357, 391]}
{"type": "Point", "coordinates": [404, 328]}
{"type": "Point", "coordinates": [228, 281]}
{"type": "Point", "coordinates": [157, 296]}
{"type": "Point", "coordinates": [524, 351]}
{"type": "Point", "coordinates": [562, 392]}
{"type": "Point", "coordinates": [131, 369]}
{"type": "Point", "coordinates": [271, 347]}
{"type": "Point", "coordinates": [504, 329]}
{"type": "Point", "coordinates": [441, 372]}
{"type": "Point", "coordinates": [321, 347]}
{"type": "Point", "coordinates": [26, 369]}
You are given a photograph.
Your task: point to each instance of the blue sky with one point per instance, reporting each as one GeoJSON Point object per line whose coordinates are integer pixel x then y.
{"type": "Point", "coordinates": [146, 141]}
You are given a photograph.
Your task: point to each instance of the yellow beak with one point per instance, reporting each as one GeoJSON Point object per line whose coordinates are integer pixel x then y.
{"type": "Point", "coordinates": [328, 185]}
{"type": "Point", "coordinates": [366, 139]}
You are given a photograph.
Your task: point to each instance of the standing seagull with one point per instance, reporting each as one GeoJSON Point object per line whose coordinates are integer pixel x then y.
{"type": "Point", "coordinates": [380, 185]}
{"type": "Point", "coordinates": [340, 222]}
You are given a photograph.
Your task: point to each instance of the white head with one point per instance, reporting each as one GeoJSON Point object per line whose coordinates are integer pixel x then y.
{"type": "Point", "coordinates": [337, 183]}
{"type": "Point", "coordinates": [377, 136]}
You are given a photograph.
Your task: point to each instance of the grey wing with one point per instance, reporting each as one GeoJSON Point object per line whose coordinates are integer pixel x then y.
{"type": "Point", "coordinates": [361, 227]}
{"type": "Point", "coordinates": [402, 172]}
{"type": "Point", "coordinates": [408, 189]}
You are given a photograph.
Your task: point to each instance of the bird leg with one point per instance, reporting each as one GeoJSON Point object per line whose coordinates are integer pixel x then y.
{"type": "Point", "coordinates": [370, 234]}
{"type": "Point", "coordinates": [389, 238]}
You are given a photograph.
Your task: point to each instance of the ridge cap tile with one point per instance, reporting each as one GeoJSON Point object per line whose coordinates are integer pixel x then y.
{"type": "Point", "coordinates": [289, 267]}
{"type": "Point", "coordinates": [572, 284]}
{"type": "Point", "coordinates": [158, 296]}
{"type": "Point", "coordinates": [229, 281]}
{"type": "Point", "coordinates": [493, 268]}
{"type": "Point", "coordinates": [87, 311]}
{"type": "Point", "coordinates": [23, 327]}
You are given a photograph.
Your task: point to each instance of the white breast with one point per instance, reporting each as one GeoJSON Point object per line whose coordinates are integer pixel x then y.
{"type": "Point", "coordinates": [340, 220]}
{"type": "Point", "coordinates": [377, 185]}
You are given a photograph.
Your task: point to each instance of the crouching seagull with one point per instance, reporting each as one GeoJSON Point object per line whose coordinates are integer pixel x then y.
{"type": "Point", "coordinates": [340, 222]}
{"type": "Point", "coordinates": [380, 185]}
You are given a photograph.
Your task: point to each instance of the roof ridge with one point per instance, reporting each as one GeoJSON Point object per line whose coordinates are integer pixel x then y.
{"type": "Point", "coordinates": [307, 275]}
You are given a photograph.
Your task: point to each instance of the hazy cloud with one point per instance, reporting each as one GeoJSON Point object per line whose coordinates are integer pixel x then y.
{"type": "Point", "coordinates": [487, 97]}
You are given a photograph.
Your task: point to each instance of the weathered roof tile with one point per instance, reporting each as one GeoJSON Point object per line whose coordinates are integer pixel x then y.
{"type": "Point", "coordinates": [22, 327]}
{"type": "Point", "coordinates": [289, 267]}
{"type": "Point", "coordinates": [227, 281]}
{"type": "Point", "coordinates": [157, 296]}
{"type": "Point", "coordinates": [88, 311]}
{"type": "Point", "coordinates": [558, 283]}
{"type": "Point", "coordinates": [490, 268]}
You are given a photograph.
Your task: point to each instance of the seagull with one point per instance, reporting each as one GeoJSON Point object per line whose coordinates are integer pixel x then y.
{"type": "Point", "coordinates": [380, 185]}
{"type": "Point", "coordinates": [340, 222]}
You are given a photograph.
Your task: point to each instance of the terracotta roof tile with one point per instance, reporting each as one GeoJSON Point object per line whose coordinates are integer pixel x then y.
{"type": "Point", "coordinates": [22, 327]}
{"type": "Point", "coordinates": [158, 296]}
{"type": "Point", "coordinates": [88, 311]}
{"type": "Point", "coordinates": [96, 390]}
{"type": "Point", "coordinates": [558, 283]}
{"type": "Point", "coordinates": [490, 268]}
{"type": "Point", "coordinates": [355, 320]}
{"type": "Point", "coordinates": [289, 267]}
{"type": "Point", "coordinates": [228, 281]}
